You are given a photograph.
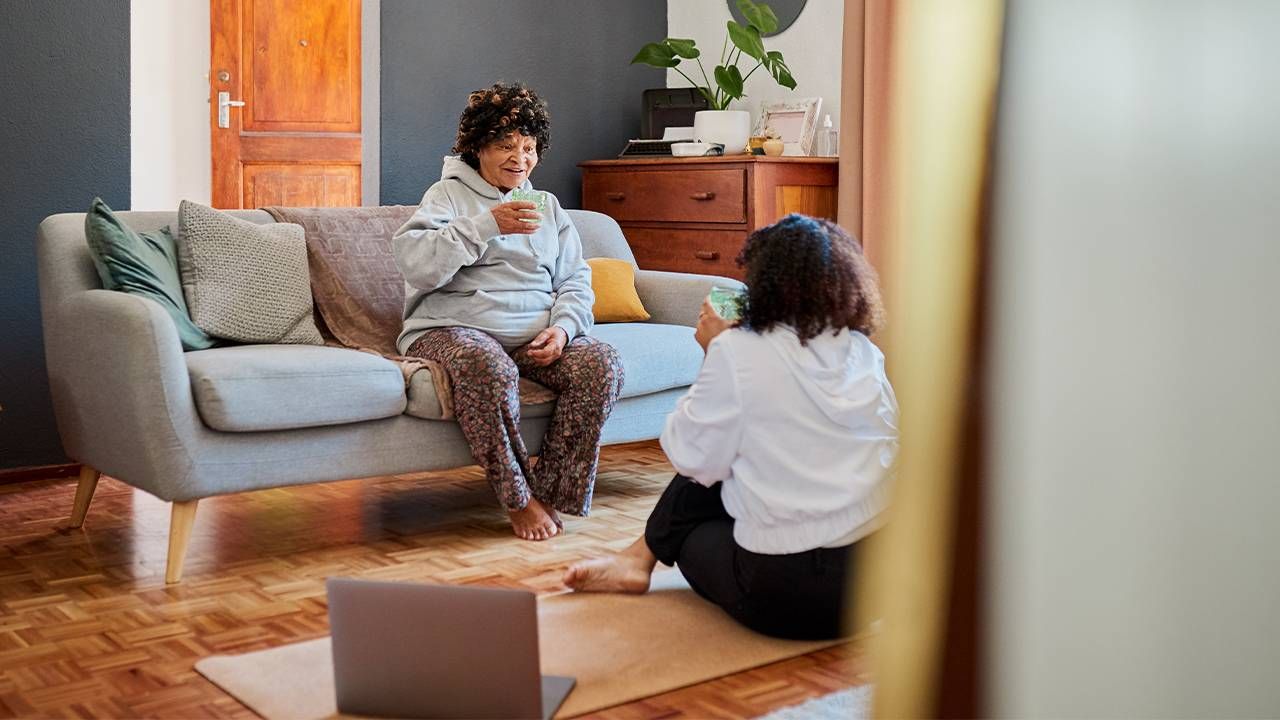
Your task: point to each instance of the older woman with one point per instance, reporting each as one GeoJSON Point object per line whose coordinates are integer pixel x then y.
{"type": "Point", "coordinates": [496, 291]}
{"type": "Point", "coordinates": [784, 444]}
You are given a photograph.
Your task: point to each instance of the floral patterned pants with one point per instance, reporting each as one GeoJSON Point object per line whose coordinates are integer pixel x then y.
{"type": "Point", "coordinates": [486, 399]}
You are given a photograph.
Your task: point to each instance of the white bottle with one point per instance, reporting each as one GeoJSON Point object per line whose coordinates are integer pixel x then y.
{"type": "Point", "coordinates": [830, 144]}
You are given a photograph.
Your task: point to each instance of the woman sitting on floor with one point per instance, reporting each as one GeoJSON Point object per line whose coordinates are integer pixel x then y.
{"type": "Point", "coordinates": [784, 444]}
{"type": "Point", "coordinates": [496, 291]}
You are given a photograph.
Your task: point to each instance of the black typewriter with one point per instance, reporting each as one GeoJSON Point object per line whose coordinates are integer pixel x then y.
{"type": "Point", "coordinates": [648, 148]}
{"type": "Point", "coordinates": [663, 108]}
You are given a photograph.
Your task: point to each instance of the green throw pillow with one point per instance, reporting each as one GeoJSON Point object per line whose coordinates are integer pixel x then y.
{"type": "Point", "coordinates": [143, 264]}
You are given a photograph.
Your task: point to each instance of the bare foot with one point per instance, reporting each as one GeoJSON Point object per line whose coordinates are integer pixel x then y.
{"type": "Point", "coordinates": [534, 522]}
{"type": "Point", "coordinates": [555, 517]}
{"type": "Point", "coordinates": [620, 573]}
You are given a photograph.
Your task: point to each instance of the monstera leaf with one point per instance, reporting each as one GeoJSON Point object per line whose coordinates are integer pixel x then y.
{"type": "Point", "coordinates": [730, 80]}
{"type": "Point", "coordinates": [778, 68]}
{"type": "Point", "coordinates": [759, 16]}
{"type": "Point", "coordinates": [684, 48]}
{"type": "Point", "coordinates": [747, 39]}
{"type": "Point", "coordinates": [657, 55]}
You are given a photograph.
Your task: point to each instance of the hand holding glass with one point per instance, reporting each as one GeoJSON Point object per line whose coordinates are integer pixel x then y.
{"type": "Point", "coordinates": [537, 197]}
{"type": "Point", "coordinates": [727, 302]}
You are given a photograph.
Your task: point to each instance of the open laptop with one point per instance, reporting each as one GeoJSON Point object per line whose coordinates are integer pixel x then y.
{"type": "Point", "coordinates": [409, 650]}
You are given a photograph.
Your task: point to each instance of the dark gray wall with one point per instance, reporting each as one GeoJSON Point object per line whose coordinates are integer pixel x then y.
{"type": "Point", "coordinates": [64, 137]}
{"type": "Point", "coordinates": [573, 53]}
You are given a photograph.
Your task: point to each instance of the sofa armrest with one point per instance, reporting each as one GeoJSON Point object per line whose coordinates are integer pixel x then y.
{"type": "Point", "coordinates": [675, 298]}
{"type": "Point", "coordinates": [121, 391]}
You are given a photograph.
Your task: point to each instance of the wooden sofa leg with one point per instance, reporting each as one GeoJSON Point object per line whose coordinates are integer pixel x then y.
{"type": "Point", "coordinates": [84, 494]}
{"type": "Point", "coordinates": [180, 524]}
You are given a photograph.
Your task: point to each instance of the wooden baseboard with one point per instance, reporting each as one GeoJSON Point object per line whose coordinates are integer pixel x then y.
{"type": "Point", "coordinates": [39, 472]}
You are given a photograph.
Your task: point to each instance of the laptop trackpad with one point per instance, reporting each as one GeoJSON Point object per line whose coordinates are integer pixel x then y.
{"type": "Point", "coordinates": [555, 688]}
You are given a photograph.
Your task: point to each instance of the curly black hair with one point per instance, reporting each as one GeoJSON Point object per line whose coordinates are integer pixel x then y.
{"type": "Point", "coordinates": [809, 274]}
{"type": "Point", "coordinates": [496, 112]}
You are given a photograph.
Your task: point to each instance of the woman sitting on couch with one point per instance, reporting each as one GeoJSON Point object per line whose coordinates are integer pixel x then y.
{"type": "Point", "coordinates": [496, 291]}
{"type": "Point", "coordinates": [784, 444]}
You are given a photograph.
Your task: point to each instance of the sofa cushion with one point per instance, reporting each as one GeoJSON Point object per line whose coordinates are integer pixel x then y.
{"type": "Point", "coordinates": [614, 283]}
{"type": "Point", "coordinates": [243, 281]}
{"type": "Point", "coordinates": [250, 388]}
{"type": "Point", "coordinates": [655, 357]}
{"type": "Point", "coordinates": [144, 264]}
{"type": "Point", "coordinates": [424, 402]}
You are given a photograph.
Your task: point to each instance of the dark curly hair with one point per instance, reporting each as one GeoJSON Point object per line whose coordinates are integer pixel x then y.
{"type": "Point", "coordinates": [810, 274]}
{"type": "Point", "coordinates": [496, 112]}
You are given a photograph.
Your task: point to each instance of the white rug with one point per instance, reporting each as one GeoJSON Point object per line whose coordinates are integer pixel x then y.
{"type": "Point", "coordinates": [851, 704]}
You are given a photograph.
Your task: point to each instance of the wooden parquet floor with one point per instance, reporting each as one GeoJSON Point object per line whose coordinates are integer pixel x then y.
{"type": "Point", "coordinates": [89, 629]}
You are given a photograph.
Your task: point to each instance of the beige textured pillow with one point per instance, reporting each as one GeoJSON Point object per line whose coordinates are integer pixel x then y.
{"type": "Point", "coordinates": [243, 281]}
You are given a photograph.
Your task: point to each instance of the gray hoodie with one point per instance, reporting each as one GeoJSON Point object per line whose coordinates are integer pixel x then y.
{"type": "Point", "coordinates": [459, 272]}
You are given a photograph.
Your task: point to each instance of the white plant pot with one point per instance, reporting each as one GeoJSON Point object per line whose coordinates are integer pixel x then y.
{"type": "Point", "coordinates": [730, 128]}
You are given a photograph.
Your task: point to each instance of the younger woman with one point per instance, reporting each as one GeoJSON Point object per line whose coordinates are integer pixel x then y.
{"type": "Point", "coordinates": [784, 445]}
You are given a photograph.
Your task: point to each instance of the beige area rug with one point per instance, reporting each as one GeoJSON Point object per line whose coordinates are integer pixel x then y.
{"type": "Point", "coordinates": [619, 647]}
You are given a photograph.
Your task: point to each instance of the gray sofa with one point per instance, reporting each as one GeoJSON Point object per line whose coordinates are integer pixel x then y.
{"type": "Point", "coordinates": [184, 426]}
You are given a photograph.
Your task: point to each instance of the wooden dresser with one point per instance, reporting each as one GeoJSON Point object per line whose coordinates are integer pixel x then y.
{"type": "Point", "coordinates": [692, 214]}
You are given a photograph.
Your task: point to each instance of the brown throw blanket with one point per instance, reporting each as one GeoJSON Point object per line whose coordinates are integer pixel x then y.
{"type": "Point", "coordinates": [359, 292]}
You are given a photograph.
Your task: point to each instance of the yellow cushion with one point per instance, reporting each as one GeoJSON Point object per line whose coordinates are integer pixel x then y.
{"type": "Point", "coordinates": [614, 282]}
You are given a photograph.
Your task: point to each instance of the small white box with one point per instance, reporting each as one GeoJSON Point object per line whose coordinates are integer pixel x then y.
{"type": "Point", "coordinates": [690, 149]}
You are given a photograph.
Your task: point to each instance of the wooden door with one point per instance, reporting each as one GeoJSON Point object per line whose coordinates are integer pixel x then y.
{"type": "Point", "coordinates": [296, 67]}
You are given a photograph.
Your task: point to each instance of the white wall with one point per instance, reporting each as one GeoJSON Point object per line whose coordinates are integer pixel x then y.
{"type": "Point", "coordinates": [371, 102]}
{"type": "Point", "coordinates": [1134, 390]}
{"type": "Point", "coordinates": [811, 47]}
{"type": "Point", "coordinates": [168, 108]}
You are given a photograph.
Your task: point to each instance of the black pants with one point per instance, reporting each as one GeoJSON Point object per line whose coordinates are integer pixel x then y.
{"type": "Point", "coordinates": [798, 596]}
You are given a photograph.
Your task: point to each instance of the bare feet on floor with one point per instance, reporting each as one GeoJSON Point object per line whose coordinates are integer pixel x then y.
{"type": "Point", "coordinates": [535, 522]}
{"type": "Point", "coordinates": [620, 573]}
{"type": "Point", "coordinates": [555, 517]}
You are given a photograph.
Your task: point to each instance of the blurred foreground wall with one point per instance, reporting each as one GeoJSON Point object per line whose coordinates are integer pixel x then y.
{"type": "Point", "coordinates": [1134, 497]}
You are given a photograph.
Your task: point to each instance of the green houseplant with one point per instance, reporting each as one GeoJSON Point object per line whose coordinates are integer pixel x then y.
{"type": "Point", "coordinates": [729, 80]}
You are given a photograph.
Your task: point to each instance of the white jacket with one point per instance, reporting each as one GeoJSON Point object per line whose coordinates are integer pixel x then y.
{"type": "Point", "coordinates": [803, 437]}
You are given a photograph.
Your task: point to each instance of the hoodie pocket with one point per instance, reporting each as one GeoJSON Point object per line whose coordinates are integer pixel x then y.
{"type": "Point", "coordinates": [544, 246]}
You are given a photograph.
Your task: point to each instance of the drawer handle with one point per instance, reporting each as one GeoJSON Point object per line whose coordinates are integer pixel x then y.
{"type": "Point", "coordinates": [706, 254]}
{"type": "Point", "coordinates": [616, 196]}
{"type": "Point", "coordinates": [703, 196]}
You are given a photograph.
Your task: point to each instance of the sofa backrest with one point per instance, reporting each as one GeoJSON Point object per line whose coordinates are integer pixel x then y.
{"type": "Point", "coordinates": [601, 236]}
{"type": "Point", "coordinates": [62, 253]}
{"type": "Point", "coordinates": [65, 266]}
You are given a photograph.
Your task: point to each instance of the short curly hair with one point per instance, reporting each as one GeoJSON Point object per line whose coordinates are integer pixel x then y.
{"type": "Point", "coordinates": [811, 275]}
{"type": "Point", "coordinates": [494, 113]}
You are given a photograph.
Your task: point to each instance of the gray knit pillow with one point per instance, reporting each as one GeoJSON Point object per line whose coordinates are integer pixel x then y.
{"type": "Point", "coordinates": [243, 281]}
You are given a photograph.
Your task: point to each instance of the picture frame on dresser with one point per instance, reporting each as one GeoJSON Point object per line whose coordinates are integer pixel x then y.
{"type": "Point", "coordinates": [795, 120]}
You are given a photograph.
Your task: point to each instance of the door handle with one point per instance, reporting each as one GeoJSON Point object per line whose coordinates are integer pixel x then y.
{"type": "Point", "coordinates": [225, 103]}
{"type": "Point", "coordinates": [703, 196]}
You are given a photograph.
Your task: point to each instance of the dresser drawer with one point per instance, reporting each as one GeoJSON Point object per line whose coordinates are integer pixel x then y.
{"type": "Point", "coordinates": [675, 195]}
{"type": "Point", "coordinates": [710, 252]}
